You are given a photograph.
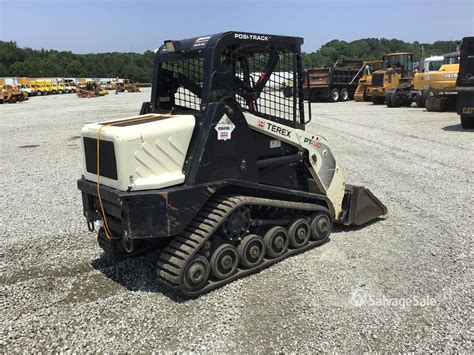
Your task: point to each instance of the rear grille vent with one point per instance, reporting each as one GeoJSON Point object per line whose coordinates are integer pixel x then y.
{"type": "Point", "coordinates": [108, 164]}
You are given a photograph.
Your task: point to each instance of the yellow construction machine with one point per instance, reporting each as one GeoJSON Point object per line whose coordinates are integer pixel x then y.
{"type": "Point", "coordinates": [126, 85]}
{"type": "Point", "coordinates": [397, 84]}
{"type": "Point", "coordinates": [396, 73]}
{"type": "Point", "coordinates": [11, 94]}
{"type": "Point", "coordinates": [90, 89]}
{"type": "Point", "coordinates": [369, 66]}
{"type": "Point", "coordinates": [435, 90]}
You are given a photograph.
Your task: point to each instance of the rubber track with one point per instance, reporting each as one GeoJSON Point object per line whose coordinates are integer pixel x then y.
{"type": "Point", "coordinates": [173, 259]}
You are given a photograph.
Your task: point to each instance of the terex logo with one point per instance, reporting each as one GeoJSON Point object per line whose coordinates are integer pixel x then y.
{"type": "Point", "coordinates": [281, 131]}
{"type": "Point", "coordinates": [249, 36]}
{"type": "Point", "coordinates": [261, 123]}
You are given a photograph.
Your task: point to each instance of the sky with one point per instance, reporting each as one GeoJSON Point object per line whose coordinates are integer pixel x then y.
{"type": "Point", "coordinates": [91, 26]}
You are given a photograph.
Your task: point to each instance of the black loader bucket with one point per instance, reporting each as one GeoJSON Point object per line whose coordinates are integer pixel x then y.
{"type": "Point", "coordinates": [361, 206]}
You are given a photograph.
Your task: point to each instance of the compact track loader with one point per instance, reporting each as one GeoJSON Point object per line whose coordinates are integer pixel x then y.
{"type": "Point", "coordinates": [217, 166]}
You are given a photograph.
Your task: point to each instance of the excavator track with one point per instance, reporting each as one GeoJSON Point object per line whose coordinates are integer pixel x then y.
{"type": "Point", "coordinates": [189, 256]}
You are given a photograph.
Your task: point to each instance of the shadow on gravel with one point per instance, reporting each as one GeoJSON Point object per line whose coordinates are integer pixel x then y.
{"type": "Point", "coordinates": [456, 128]}
{"type": "Point", "coordinates": [339, 228]}
{"type": "Point", "coordinates": [139, 273]}
{"type": "Point", "coordinates": [28, 146]}
{"type": "Point", "coordinates": [135, 274]}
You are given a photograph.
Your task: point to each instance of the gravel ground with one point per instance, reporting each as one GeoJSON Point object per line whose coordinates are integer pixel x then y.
{"type": "Point", "coordinates": [403, 283]}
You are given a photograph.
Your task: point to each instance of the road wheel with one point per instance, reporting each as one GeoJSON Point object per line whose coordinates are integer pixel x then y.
{"type": "Point", "coordinates": [393, 98]}
{"type": "Point", "coordinates": [388, 98]}
{"type": "Point", "coordinates": [378, 100]}
{"type": "Point", "coordinates": [467, 122]}
{"type": "Point", "coordinates": [420, 102]}
{"type": "Point", "coordinates": [276, 241]}
{"type": "Point", "coordinates": [407, 101]}
{"type": "Point", "coordinates": [433, 104]}
{"type": "Point", "coordinates": [196, 273]}
{"type": "Point", "coordinates": [344, 95]}
{"type": "Point", "coordinates": [224, 261]}
{"type": "Point", "coordinates": [334, 95]}
{"type": "Point", "coordinates": [251, 251]}
{"type": "Point", "coordinates": [13, 100]}
{"type": "Point", "coordinates": [321, 226]}
{"type": "Point", "coordinates": [300, 232]}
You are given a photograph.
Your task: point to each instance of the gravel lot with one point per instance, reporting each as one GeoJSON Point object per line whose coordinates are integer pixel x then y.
{"type": "Point", "coordinates": [403, 283]}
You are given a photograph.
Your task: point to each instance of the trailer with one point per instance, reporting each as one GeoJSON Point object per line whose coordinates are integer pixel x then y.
{"type": "Point", "coordinates": [337, 82]}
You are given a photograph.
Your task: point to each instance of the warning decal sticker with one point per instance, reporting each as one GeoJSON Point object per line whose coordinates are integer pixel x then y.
{"type": "Point", "coordinates": [224, 128]}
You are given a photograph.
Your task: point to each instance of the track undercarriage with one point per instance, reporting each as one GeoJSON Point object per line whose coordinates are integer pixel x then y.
{"type": "Point", "coordinates": [233, 236]}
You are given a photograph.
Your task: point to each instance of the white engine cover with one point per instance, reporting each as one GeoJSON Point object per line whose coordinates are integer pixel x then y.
{"type": "Point", "coordinates": [150, 150]}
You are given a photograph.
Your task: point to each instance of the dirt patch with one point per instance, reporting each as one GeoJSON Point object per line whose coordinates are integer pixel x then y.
{"type": "Point", "coordinates": [41, 272]}
{"type": "Point", "coordinates": [91, 287]}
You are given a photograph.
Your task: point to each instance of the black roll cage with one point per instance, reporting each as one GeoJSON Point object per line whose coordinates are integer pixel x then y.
{"type": "Point", "coordinates": [211, 49]}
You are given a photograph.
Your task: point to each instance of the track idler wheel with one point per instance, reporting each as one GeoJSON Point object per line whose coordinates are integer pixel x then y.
{"type": "Point", "coordinates": [321, 226]}
{"type": "Point", "coordinates": [276, 241]}
{"type": "Point", "coordinates": [196, 273]}
{"type": "Point", "coordinates": [251, 251]}
{"type": "Point", "coordinates": [224, 261]}
{"type": "Point", "coordinates": [299, 232]}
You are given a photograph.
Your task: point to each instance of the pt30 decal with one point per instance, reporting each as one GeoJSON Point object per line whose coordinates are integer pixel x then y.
{"type": "Point", "coordinates": [313, 142]}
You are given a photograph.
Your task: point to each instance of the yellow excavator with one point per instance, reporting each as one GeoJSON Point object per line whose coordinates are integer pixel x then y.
{"type": "Point", "coordinates": [435, 90]}
{"type": "Point", "coordinates": [369, 66]}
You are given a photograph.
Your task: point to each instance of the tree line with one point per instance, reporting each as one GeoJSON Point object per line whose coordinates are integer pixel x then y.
{"type": "Point", "coordinates": [15, 61]}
